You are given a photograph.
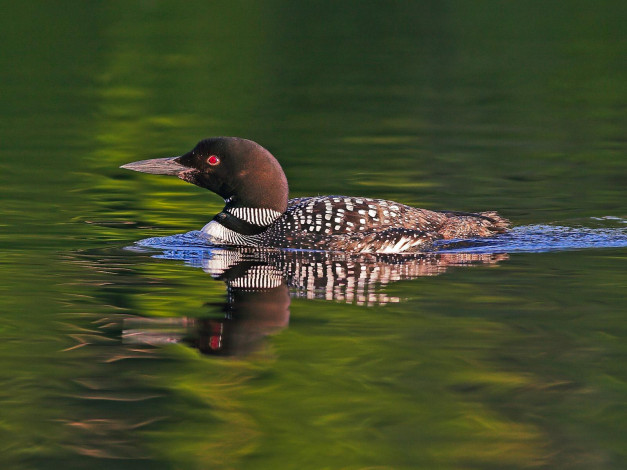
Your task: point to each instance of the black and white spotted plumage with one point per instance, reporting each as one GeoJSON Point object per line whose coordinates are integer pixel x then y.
{"type": "Point", "coordinates": [354, 224]}
{"type": "Point", "coordinates": [258, 213]}
{"type": "Point", "coordinates": [342, 223]}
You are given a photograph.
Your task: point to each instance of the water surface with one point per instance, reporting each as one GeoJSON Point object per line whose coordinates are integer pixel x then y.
{"type": "Point", "coordinates": [504, 353]}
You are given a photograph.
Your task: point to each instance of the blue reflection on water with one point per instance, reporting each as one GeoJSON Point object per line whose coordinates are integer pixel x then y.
{"type": "Point", "coordinates": [610, 232]}
{"type": "Point", "coordinates": [543, 238]}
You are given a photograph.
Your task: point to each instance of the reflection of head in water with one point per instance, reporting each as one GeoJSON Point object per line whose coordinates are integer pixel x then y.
{"type": "Point", "coordinates": [249, 316]}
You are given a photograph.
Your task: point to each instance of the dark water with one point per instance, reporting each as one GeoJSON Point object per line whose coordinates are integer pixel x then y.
{"type": "Point", "coordinates": [501, 353]}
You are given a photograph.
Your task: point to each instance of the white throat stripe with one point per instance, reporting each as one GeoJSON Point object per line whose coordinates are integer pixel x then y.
{"type": "Point", "coordinates": [257, 216]}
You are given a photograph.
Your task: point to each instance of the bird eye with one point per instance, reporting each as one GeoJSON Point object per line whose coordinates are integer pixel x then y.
{"type": "Point", "coordinates": [213, 160]}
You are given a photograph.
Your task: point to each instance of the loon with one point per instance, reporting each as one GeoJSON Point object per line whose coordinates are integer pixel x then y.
{"type": "Point", "coordinates": [257, 212]}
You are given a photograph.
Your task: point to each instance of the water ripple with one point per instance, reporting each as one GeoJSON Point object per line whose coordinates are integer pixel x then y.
{"type": "Point", "coordinates": [607, 232]}
{"type": "Point", "coordinates": [543, 238]}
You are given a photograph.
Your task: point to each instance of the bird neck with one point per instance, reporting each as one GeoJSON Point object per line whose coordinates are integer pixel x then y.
{"type": "Point", "coordinates": [245, 220]}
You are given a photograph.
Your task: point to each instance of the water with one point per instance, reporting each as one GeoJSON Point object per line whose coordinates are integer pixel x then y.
{"type": "Point", "coordinates": [117, 352]}
{"type": "Point", "coordinates": [525, 239]}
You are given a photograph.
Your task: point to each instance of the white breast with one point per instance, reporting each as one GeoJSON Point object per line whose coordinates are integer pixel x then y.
{"type": "Point", "coordinates": [218, 234]}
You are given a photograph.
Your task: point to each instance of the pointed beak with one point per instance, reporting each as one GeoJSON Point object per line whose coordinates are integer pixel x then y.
{"type": "Point", "coordinates": [157, 166]}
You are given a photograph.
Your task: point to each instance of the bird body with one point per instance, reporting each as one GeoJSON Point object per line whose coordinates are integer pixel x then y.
{"type": "Point", "coordinates": [258, 213]}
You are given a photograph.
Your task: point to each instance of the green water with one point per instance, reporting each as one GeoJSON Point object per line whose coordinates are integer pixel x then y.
{"type": "Point", "coordinates": [515, 106]}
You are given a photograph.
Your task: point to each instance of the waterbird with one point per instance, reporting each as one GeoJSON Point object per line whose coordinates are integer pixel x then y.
{"type": "Point", "coordinates": [258, 213]}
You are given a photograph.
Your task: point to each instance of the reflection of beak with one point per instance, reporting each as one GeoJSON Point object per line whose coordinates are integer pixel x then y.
{"type": "Point", "coordinates": [157, 166]}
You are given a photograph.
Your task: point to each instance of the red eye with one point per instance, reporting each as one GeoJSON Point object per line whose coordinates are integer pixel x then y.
{"type": "Point", "coordinates": [213, 160]}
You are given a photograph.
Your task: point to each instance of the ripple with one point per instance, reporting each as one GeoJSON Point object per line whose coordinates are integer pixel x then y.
{"type": "Point", "coordinates": [543, 238]}
{"type": "Point", "coordinates": [608, 232]}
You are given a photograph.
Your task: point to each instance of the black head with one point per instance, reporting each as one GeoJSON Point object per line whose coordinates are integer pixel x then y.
{"type": "Point", "coordinates": [234, 168]}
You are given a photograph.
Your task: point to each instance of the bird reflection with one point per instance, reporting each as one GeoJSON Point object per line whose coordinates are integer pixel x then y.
{"type": "Point", "coordinates": [260, 285]}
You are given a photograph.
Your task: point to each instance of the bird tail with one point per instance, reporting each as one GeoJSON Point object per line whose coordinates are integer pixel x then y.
{"type": "Point", "coordinates": [470, 224]}
{"type": "Point", "coordinates": [497, 224]}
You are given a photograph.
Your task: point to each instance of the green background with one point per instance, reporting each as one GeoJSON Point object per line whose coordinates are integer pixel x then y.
{"type": "Point", "coordinates": [515, 106]}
